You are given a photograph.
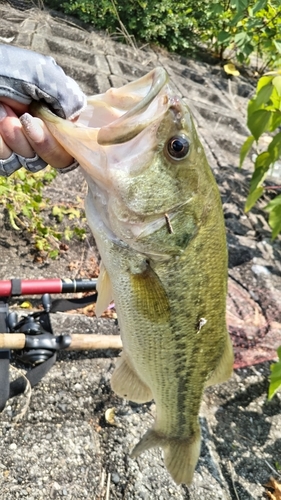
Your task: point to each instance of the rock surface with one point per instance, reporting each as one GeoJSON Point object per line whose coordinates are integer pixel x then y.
{"type": "Point", "coordinates": [63, 447]}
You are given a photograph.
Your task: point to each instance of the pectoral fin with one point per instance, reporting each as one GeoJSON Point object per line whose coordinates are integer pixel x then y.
{"type": "Point", "coordinates": [104, 290]}
{"type": "Point", "coordinates": [150, 297]}
{"type": "Point", "coordinates": [127, 384]}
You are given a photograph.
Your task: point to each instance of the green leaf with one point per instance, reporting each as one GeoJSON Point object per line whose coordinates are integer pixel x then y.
{"type": "Point", "coordinates": [21, 174]}
{"type": "Point", "coordinates": [53, 254]}
{"type": "Point", "coordinates": [273, 203]}
{"type": "Point", "coordinates": [241, 38]}
{"type": "Point", "coordinates": [40, 244]}
{"type": "Point", "coordinates": [277, 45]}
{"type": "Point", "coordinates": [276, 82]}
{"type": "Point", "coordinates": [264, 80]}
{"type": "Point", "coordinates": [275, 379]}
{"type": "Point", "coordinates": [68, 233]}
{"type": "Point", "coordinates": [3, 190]}
{"type": "Point", "coordinates": [252, 107]}
{"type": "Point", "coordinates": [241, 5]}
{"type": "Point", "coordinates": [260, 4]}
{"type": "Point", "coordinates": [275, 101]}
{"type": "Point", "coordinates": [277, 465]}
{"type": "Point", "coordinates": [275, 221]}
{"type": "Point", "coordinates": [274, 147]}
{"type": "Point", "coordinates": [56, 211]}
{"type": "Point", "coordinates": [245, 149]}
{"type": "Point", "coordinates": [262, 163]}
{"type": "Point", "coordinates": [223, 37]}
{"type": "Point", "coordinates": [73, 213]}
{"type": "Point", "coordinates": [27, 211]}
{"type": "Point", "coordinates": [263, 95]}
{"type": "Point", "coordinates": [275, 121]}
{"type": "Point", "coordinates": [254, 23]}
{"type": "Point", "coordinates": [274, 209]}
{"type": "Point", "coordinates": [258, 122]}
{"type": "Point", "coordinates": [263, 160]}
{"type": "Point", "coordinates": [216, 8]}
{"type": "Point", "coordinates": [247, 48]}
{"type": "Point", "coordinates": [252, 198]}
{"type": "Point", "coordinates": [80, 233]}
{"type": "Point", "coordinates": [236, 19]}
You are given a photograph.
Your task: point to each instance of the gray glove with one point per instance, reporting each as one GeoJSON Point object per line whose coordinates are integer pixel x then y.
{"type": "Point", "coordinates": [26, 76]}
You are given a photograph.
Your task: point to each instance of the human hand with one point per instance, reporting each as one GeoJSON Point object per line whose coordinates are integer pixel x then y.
{"type": "Point", "coordinates": [24, 140]}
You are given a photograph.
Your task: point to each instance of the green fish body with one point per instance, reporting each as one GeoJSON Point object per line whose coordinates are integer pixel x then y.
{"type": "Point", "coordinates": [155, 212]}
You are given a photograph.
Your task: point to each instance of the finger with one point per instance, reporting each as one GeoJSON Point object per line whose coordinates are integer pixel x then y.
{"type": "Point", "coordinates": [12, 132]}
{"type": "Point", "coordinates": [5, 151]}
{"type": "Point", "coordinates": [17, 107]}
{"type": "Point", "coordinates": [43, 143]}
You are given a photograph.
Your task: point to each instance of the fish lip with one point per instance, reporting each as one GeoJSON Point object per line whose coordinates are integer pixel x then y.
{"type": "Point", "coordinates": [120, 131]}
{"type": "Point", "coordinates": [159, 79]}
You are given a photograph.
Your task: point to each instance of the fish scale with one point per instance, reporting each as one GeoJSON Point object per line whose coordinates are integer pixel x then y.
{"type": "Point", "coordinates": [160, 233]}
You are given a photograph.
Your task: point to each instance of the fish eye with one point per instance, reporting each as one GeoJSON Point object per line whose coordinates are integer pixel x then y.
{"type": "Point", "coordinates": [178, 147]}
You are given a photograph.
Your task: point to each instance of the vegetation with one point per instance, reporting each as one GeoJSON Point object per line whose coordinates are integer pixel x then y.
{"type": "Point", "coordinates": [228, 29]}
{"type": "Point", "coordinates": [21, 195]}
{"type": "Point", "coordinates": [275, 376]}
{"type": "Point", "coordinates": [264, 115]}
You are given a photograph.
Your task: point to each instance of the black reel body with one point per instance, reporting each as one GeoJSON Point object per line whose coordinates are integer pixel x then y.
{"type": "Point", "coordinates": [40, 341]}
{"type": "Point", "coordinates": [40, 344]}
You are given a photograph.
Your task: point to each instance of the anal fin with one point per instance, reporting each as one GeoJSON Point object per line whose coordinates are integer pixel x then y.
{"type": "Point", "coordinates": [224, 369]}
{"type": "Point", "coordinates": [127, 384]}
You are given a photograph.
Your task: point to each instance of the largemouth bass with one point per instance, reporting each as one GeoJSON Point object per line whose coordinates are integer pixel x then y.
{"type": "Point", "coordinates": [155, 212]}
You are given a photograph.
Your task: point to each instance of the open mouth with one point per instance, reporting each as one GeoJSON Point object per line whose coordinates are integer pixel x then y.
{"type": "Point", "coordinates": [139, 103]}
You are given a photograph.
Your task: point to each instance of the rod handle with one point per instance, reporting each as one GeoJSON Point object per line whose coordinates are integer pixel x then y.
{"type": "Point", "coordinates": [79, 341]}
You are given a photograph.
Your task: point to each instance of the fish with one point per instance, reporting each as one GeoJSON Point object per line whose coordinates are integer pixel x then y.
{"type": "Point", "coordinates": [155, 211]}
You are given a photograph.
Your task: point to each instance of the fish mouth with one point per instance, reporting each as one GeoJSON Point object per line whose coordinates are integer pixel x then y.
{"type": "Point", "coordinates": [112, 118]}
{"type": "Point", "coordinates": [117, 130]}
{"type": "Point", "coordinates": [140, 115]}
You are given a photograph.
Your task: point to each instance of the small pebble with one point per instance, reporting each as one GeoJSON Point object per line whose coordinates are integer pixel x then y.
{"type": "Point", "coordinates": [257, 269]}
{"type": "Point", "coordinates": [115, 478]}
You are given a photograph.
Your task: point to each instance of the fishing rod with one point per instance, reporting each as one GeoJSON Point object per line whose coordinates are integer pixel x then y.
{"type": "Point", "coordinates": [30, 339]}
{"type": "Point", "coordinates": [16, 287]}
{"type": "Point", "coordinates": [33, 323]}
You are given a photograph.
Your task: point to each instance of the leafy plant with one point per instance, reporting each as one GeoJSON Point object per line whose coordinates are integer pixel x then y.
{"type": "Point", "coordinates": [22, 198]}
{"type": "Point", "coordinates": [231, 28]}
{"type": "Point", "coordinates": [251, 27]}
{"type": "Point", "coordinates": [264, 115]}
{"type": "Point", "coordinates": [275, 376]}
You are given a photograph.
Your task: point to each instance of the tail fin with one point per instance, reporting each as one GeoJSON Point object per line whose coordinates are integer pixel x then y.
{"type": "Point", "coordinates": [180, 455]}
